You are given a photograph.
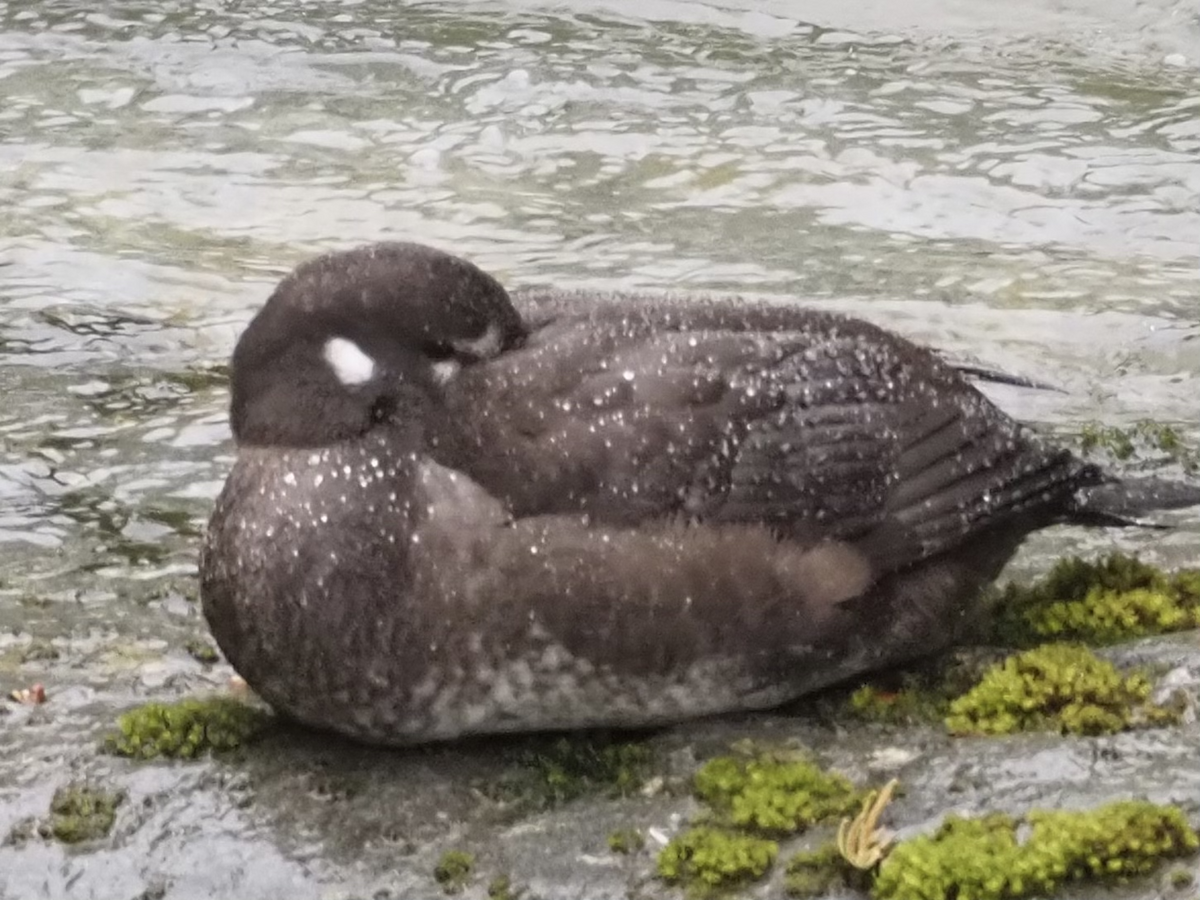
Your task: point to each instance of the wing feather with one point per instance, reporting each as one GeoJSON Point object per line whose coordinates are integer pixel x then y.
{"type": "Point", "coordinates": [816, 425]}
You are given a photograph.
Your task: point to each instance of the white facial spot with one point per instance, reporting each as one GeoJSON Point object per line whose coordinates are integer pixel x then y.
{"type": "Point", "coordinates": [349, 362]}
{"type": "Point", "coordinates": [444, 370]}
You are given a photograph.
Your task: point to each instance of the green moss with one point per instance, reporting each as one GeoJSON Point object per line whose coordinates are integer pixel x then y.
{"type": "Point", "coordinates": [815, 873]}
{"type": "Point", "coordinates": [1179, 878]}
{"type": "Point", "coordinates": [976, 858]}
{"type": "Point", "coordinates": [572, 769]}
{"type": "Point", "coordinates": [626, 840]}
{"type": "Point", "coordinates": [1106, 618]}
{"type": "Point", "coordinates": [201, 651]}
{"type": "Point", "coordinates": [453, 870]}
{"type": "Point", "coordinates": [773, 793]}
{"type": "Point", "coordinates": [754, 795]}
{"type": "Point", "coordinates": [81, 812]}
{"type": "Point", "coordinates": [1058, 687]}
{"type": "Point", "coordinates": [1117, 442]}
{"type": "Point", "coordinates": [982, 859]}
{"type": "Point", "coordinates": [549, 773]}
{"type": "Point", "coordinates": [185, 729]}
{"type": "Point", "coordinates": [1099, 602]}
{"type": "Point", "coordinates": [1147, 439]}
{"type": "Point", "coordinates": [703, 859]}
{"type": "Point", "coordinates": [908, 705]}
{"type": "Point", "coordinates": [501, 888]}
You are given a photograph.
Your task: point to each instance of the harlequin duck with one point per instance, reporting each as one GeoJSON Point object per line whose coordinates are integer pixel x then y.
{"type": "Point", "coordinates": [451, 516]}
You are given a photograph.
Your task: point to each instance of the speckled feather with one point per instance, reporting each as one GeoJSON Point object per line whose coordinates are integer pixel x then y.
{"type": "Point", "coordinates": [813, 423]}
{"type": "Point", "coordinates": [611, 511]}
{"type": "Point", "coordinates": [545, 622]}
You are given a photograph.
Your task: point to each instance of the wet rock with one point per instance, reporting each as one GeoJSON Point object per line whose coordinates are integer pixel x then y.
{"type": "Point", "coordinates": [306, 815]}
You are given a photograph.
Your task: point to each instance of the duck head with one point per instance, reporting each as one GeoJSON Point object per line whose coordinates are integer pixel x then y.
{"type": "Point", "coordinates": [353, 340]}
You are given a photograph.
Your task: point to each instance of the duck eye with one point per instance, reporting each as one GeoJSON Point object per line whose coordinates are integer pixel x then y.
{"type": "Point", "coordinates": [438, 351]}
{"type": "Point", "coordinates": [382, 409]}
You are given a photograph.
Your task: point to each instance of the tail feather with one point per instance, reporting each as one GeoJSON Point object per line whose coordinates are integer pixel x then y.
{"type": "Point", "coordinates": [999, 376]}
{"type": "Point", "coordinates": [1117, 502]}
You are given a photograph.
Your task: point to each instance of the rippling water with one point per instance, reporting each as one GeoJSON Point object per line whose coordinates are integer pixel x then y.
{"type": "Point", "coordinates": [1016, 182]}
{"type": "Point", "coordinates": [163, 163]}
{"type": "Point", "coordinates": [1030, 200]}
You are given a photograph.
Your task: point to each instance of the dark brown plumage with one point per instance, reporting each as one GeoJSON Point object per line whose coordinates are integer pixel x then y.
{"type": "Point", "coordinates": [448, 518]}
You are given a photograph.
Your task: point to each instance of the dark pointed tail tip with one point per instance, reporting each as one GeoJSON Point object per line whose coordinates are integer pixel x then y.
{"type": "Point", "coordinates": [999, 376]}
{"type": "Point", "coordinates": [1115, 502]}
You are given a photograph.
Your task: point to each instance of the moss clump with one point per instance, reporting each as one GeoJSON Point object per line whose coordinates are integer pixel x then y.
{"type": "Point", "coordinates": [1117, 840]}
{"type": "Point", "coordinates": [703, 859]}
{"type": "Point", "coordinates": [1106, 618]}
{"type": "Point", "coordinates": [1179, 878]}
{"type": "Point", "coordinates": [1057, 687]}
{"type": "Point", "coordinates": [1114, 598]}
{"type": "Point", "coordinates": [501, 888]}
{"type": "Point", "coordinates": [775, 794]}
{"type": "Point", "coordinates": [814, 873]}
{"type": "Point", "coordinates": [626, 840]}
{"type": "Point", "coordinates": [185, 729]}
{"type": "Point", "coordinates": [908, 705]}
{"type": "Point", "coordinates": [977, 858]}
{"type": "Point", "coordinates": [551, 773]}
{"type": "Point", "coordinates": [453, 870]}
{"type": "Point", "coordinates": [201, 651]}
{"type": "Point", "coordinates": [983, 860]}
{"type": "Point", "coordinates": [81, 812]}
{"type": "Point", "coordinates": [754, 795]}
{"type": "Point", "coordinates": [1145, 439]}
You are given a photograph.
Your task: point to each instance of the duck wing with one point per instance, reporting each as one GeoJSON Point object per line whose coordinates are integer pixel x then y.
{"type": "Point", "coordinates": [814, 424]}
